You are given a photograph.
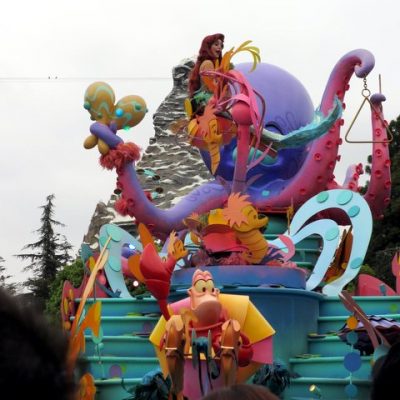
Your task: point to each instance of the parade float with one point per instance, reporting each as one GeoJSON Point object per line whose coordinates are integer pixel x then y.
{"type": "Point", "coordinates": [243, 271]}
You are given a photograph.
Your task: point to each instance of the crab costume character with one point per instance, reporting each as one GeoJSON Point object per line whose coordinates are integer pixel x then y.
{"type": "Point", "coordinates": [211, 339]}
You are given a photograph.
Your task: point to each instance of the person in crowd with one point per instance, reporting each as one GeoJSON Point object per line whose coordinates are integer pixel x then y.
{"type": "Point", "coordinates": [385, 373]}
{"type": "Point", "coordinates": [241, 391]}
{"type": "Point", "coordinates": [33, 354]}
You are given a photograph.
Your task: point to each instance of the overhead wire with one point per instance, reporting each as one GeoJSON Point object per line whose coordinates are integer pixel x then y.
{"type": "Point", "coordinates": [57, 78]}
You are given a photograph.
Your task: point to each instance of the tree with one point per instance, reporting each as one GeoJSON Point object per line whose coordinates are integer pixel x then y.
{"type": "Point", "coordinates": [47, 255]}
{"type": "Point", "coordinates": [11, 287]}
{"type": "Point", "coordinates": [385, 240]}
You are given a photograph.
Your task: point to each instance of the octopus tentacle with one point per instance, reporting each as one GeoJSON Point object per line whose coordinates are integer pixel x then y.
{"type": "Point", "coordinates": [316, 173]}
{"type": "Point", "coordinates": [208, 196]}
{"type": "Point", "coordinates": [379, 188]}
{"type": "Point", "coordinates": [136, 204]}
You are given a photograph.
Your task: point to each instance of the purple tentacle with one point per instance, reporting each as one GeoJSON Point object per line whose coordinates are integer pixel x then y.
{"type": "Point", "coordinates": [206, 197]}
{"type": "Point", "coordinates": [105, 133]}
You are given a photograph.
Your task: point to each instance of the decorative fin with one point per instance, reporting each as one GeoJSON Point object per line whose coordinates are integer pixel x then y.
{"type": "Point", "coordinates": [254, 51]}
{"type": "Point", "coordinates": [134, 267]}
{"type": "Point", "coordinates": [318, 127]}
{"type": "Point", "coordinates": [213, 149]}
{"type": "Point", "coordinates": [145, 235]}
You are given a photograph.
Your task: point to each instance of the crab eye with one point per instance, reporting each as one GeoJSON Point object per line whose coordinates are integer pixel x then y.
{"type": "Point", "coordinates": [200, 286]}
{"type": "Point", "coordinates": [210, 286]}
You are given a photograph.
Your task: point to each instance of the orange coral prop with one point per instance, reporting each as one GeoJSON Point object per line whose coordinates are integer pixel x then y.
{"type": "Point", "coordinates": [233, 212]}
{"type": "Point", "coordinates": [87, 387]}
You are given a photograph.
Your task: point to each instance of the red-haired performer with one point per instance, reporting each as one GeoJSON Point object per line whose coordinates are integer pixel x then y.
{"type": "Point", "coordinates": [209, 57]}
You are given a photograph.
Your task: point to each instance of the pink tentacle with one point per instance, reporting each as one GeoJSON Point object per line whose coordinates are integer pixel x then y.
{"type": "Point", "coordinates": [379, 188]}
{"type": "Point", "coordinates": [351, 180]}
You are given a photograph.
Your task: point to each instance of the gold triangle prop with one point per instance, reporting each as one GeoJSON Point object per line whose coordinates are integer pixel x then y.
{"type": "Point", "coordinates": [366, 93]}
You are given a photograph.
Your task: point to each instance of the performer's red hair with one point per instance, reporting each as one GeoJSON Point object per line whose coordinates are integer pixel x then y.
{"type": "Point", "coordinates": [204, 54]}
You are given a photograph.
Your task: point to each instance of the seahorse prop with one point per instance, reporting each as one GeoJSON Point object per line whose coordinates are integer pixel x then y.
{"type": "Point", "coordinates": [244, 219]}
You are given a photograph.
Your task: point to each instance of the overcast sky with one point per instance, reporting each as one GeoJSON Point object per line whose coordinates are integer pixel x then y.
{"type": "Point", "coordinates": [134, 46]}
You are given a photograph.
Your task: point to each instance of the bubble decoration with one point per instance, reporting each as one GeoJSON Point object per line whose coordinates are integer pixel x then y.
{"type": "Point", "coordinates": [265, 193]}
{"type": "Point", "coordinates": [352, 322]}
{"type": "Point", "coordinates": [356, 263]}
{"type": "Point", "coordinates": [115, 371]}
{"type": "Point", "coordinates": [352, 337]}
{"type": "Point", "coordinates": [352, 360]}
{"type": "Point", "coordinates": [322, 197]}
{"type": "Point", "coordinates": [332, 233]}
{"type": "Point", "coordinates": [344, 197]}
{"type": "Point", "coordinates": [354, 211]}
{"type": "Point", "coordinates": [351, 390]}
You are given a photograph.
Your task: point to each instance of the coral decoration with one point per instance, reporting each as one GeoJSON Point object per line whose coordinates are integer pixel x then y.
{"type": "Point", "coordinates": [226, 65]}
{"type": "Point", "coordinates": [124, 153]}
{"type": "Point", "coordinates": [92, 317]}
{"type": "Point", "coordinates": [77, 338]}
{"type": "Point", "coordinates": [124, 206]}
{"type": "Point", "coordinates": [233, 212]}
{"type": "Point", "coordinates": [227, 57]}
{"type": "Point", "coordinates": [67, 305]}
{"type": "Point", "coordinates": [87, 388]}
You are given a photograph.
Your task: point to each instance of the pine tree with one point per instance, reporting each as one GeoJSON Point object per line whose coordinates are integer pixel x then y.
{"type": "Point", "coordinates": [385, 240]}
{"type": "Point", "coordinates": [11, 287]}
{"type": "Point", "coordinates": [47, 255]}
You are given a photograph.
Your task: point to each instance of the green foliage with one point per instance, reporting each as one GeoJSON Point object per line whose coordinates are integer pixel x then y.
{"type": "Point", "coordinates": [10, 287]}
{"type": "Point", "coordinates": [385, 241]}
{"type": "Point", "coordinates": [135, 290]}
{"type": "Point", "coordinates": [72, 273]}
{"type": "Point", "coordinates": [47, 255]}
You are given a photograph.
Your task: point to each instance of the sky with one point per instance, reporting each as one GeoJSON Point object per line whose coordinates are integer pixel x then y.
{"type": "Point", "coordinates": [51, 50]}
